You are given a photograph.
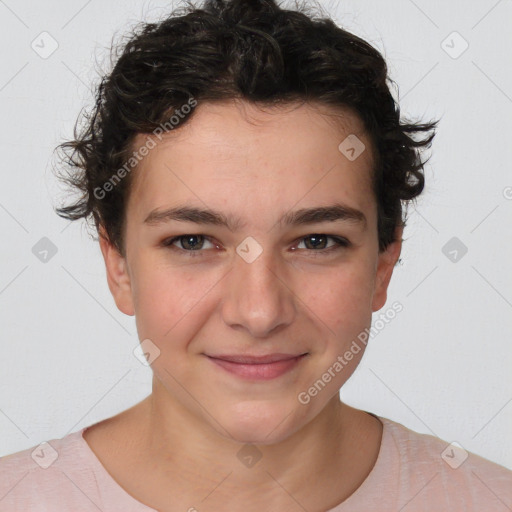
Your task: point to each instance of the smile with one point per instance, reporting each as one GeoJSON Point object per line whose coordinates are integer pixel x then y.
{"type": "Point", "coordinates": [265, 367]}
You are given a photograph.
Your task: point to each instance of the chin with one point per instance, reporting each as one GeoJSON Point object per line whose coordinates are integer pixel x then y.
{"type": "Point", "coordinates": [261, 423]}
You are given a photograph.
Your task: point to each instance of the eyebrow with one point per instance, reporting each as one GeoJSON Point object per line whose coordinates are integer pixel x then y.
{"type": "Point", "coordinates": [331, 213]}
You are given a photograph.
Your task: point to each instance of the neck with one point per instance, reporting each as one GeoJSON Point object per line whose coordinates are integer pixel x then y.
{"type": "Point", "coordinates": [330, 457]}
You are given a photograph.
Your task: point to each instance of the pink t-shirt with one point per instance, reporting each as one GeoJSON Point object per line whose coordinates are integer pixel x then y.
{"type": "Point", "coordinates": [414, 472]}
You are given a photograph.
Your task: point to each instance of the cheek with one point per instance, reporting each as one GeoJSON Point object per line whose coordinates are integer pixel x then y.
{"type": "Point", "coordinates": [341, 299]}
{"type": "Point", "coordinates": [342, 312]}
{"type": "Point", "coordinates": [168, 301]}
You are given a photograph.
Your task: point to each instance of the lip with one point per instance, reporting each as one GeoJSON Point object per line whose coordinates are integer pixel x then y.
{"type": "Point", "coordinates": [265, 367]}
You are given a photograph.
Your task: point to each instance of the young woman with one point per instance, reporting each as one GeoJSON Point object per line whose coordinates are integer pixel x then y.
{"type": "Point", "coordinates": [246, 168]}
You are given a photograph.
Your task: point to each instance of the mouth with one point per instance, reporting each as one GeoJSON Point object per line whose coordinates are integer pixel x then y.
{"type": "Point", "coordinates": [263, 367]}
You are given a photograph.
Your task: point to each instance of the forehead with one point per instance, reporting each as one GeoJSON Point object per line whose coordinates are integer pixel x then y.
{"type": "Point", "coordinates": [268, 155]}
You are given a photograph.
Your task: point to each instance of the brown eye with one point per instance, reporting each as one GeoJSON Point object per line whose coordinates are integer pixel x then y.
{"type": "Point", "coordinates": [318, 243]}
{"type": "Point", "coordinates": [191, 244]}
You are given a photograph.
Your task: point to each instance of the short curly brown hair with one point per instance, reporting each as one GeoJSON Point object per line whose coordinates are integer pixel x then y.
{"type": "Point", "coordinates": [251, 50]}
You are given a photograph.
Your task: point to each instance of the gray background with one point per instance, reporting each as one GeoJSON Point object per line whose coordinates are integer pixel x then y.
{"type": "Point", "coordinates": [442, 366]}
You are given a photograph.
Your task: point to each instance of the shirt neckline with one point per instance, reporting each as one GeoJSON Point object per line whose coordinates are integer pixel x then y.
{"type": "Point", "coordinates": [116, 494]}
{"type": "Point", "coordinates": [382, 474]}
{"type": "Point", "coordinates": [110, 485]}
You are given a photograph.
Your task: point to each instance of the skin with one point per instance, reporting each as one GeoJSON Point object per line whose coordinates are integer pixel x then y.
{"type": "Point", "coordinates": [255, 165]}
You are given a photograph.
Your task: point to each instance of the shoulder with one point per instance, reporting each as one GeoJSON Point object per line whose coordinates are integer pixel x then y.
{"type": "Point", "coordinates": [50, 473]}
{"type": "Point", "coordinates": [431, 470]}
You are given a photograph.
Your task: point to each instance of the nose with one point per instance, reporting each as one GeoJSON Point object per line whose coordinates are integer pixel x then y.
{"type": "Point", "coordinates": [258, 298]}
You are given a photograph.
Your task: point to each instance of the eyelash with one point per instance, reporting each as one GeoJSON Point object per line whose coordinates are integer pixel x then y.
{"type": "Point", "coordinates": [341, 243]}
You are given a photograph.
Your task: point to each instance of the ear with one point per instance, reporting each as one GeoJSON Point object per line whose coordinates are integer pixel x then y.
{"type": "Point", "coordinates": [117, 275]}
{"type": "Point", "coordinates": [385, 265]}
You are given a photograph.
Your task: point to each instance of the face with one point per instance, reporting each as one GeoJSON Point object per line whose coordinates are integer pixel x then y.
{"type": "Point", "coordinates": [252, 263]}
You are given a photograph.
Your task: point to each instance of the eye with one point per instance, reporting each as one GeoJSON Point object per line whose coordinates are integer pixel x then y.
{"type": "Point", "coordinates": [318, 243]}
{"type": "Point", "coordinates": [190, 244]}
